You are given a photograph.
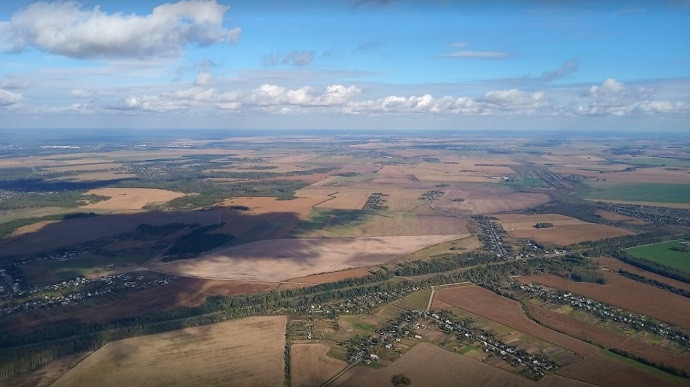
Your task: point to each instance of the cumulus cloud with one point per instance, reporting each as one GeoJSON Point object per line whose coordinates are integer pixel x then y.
{"type": "Point", "coordinates": [609, 88]}
{"type": "Point", "coordinates": [65, 28]}
{"type": "Point", "coordinates": [8, 98]}
{"type": "Point", "coordinates": [612, 97]}
{"type": "Point", "coordinates": [293, 58]}
{"type": "Point", "coordinates": [565, 69]}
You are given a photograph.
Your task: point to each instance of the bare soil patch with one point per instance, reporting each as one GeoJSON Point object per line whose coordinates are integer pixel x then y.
{"type": "Point", "coordinates": [130, 198]}
{"type": "Point", "coordinates": [310, 366]}
{"type": "Point", "coordinates": [600, 370]}
{"type": "Point", "coordinates": [508, 312]}
{"type": "Point", "coordinates": [565, 230]}
{"type": "Point", "coordinates": [627, 294]}
{"type": "Point", "coordinates": [248, 352]}
{"type": "Point", "coordinates": [280, 259]}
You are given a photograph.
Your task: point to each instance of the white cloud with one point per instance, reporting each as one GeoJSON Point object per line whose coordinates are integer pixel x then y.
{"type": "Point", "coordinates": [609, 88]}
{"type": "Point", "coordinates": [8, 98]}
{"type": "Point", "coordinates": [65, 28]}
{"type": "Point", "coordinates": [203, 79]}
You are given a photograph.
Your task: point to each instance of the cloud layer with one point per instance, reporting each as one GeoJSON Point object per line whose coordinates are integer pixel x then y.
{"type": "Point", "coordinates": [65, 28]}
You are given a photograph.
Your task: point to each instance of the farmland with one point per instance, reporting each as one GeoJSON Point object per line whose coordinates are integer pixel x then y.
{"type": "Point", "coordinates": [672, 253]}
{"type": "Point", "coordinates": [565, 230]}
{"type": "Point", "coordinates": [169, 247]}
{"type": "Point", "coordinates": [247, 351]}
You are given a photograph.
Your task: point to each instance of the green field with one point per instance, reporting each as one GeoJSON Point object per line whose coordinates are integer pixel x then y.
{"type": "Point", "coordinates": [417, 300]}
{"type": "Point", "coordinates": [664, 254]}
{"type": "Point", "coordinates": [654, 371]}
{"type": "Point", "coordinates": [641, 192]}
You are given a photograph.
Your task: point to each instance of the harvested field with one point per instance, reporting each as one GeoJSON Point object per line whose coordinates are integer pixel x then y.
{"type": "Point", "coordinates": [332, 277]}
{"type": "Point", "coordinates": [310, 366]}
{"type": "Point", "coordinates": [248, 352]}
{"type": "Point", "coordinates": [489, 200]}
{"type": "Point", "coordinates": [565, 230]}
{"type": "Point", "coordinates": [607, 339]}
{"type": "Point", "coordinates": [429, 365]}
{"type": "Point", "coordinates": [600, 370]}
{"type": "Point", "coordinates": [280, 259]}
{"type": "Point", "coordinates": [614, 217]}
{"type": "Point", "coordinates": [457, 246]}
{"type": "Point", "coordinates": [130, 198]}
{"type": "Point", "coordinates": [614, 265]}
{"type": "Point", "coordinates": [505, 311]}
{"type": "Point", "coordinates": [267, 205]}
{"type": "Point", "coordinates": [640, 175]}
{"type": "Point", "coordinates": [29, 228]}
{"type": "Point", "coordinates": [627, 294]}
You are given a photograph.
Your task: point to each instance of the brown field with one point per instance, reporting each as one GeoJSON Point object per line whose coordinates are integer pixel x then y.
{"type": "Point", "coordinates": [130, 198]}
{"type": "Point", "coordinates": [614, 217]}
{"type": "Point", "coordinates": [489, 200]}
{"type": "Point", "coordinates": [310, 366]}
{"type": "Point", "coordinates": [607, 339]}
{"type": "Point", "coordinates": [457, 246]}
{"type": "Point", "coordinates": [332, 277]}
{"type": "Point", "coordinates": [600, 370]}
{"type": "Point", "coordinates": [429, 365]}
{"type": "Point", "coordinates": [248, 351]}
{"type": "Point", "coordinates": [280, 259]}
{"type": "Point", "coordinates": [505, 311]}
{"type": "Point", "coordinates": [565, 230]}
{"type": "Point", "coordinates": [627, 294]}
{"type": "Point", "coordinates": [614, 265]}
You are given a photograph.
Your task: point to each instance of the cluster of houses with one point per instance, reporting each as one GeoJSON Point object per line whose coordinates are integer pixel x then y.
{"type": "Point", "coordinates": [407, 325]}
{"type": "Point", "coordinates": [531, 365]}
{"type": "Point", "coordinates": [491, 235]}
{"type": "Point", "coordinates": [359, 304]}
{"type": "Point", "coordinates": [68, 292]}
{"type": "Point", "coordinates": [606, 312]}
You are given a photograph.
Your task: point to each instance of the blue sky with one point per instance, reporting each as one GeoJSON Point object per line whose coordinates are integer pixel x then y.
{"type": "Point", "coordinates": [356, 64]}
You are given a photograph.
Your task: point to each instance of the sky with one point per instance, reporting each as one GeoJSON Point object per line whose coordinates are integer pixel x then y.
{"type": "Point", "coordinates": [346, 64]}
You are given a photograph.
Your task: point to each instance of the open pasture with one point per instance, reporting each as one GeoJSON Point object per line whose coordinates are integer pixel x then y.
{"type": "Point", "coordinates": [642, 192]}
{"type": "Point", "coordinates": [281, 259]}
{"type": "Point", "coordinates": [310, 366]}
{"type": "Point", "coordinates": [671, 253]}
{"type": "Point", "coordinates": [565, 230]}
{"type": "Point", "coordinates": [625, 293]}
{"type": "Point", "coordinates": [248, 351]}
{"type": "Point", "coordinates": [334, 276]}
